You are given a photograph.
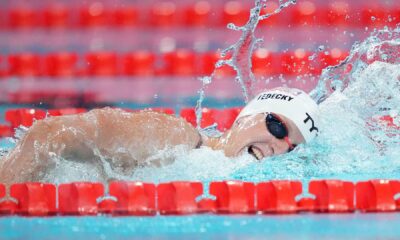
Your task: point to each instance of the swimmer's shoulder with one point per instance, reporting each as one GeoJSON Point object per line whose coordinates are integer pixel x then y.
{"type": "Point", "coordinates": [141, 114]}
{"type": "Point", "coordinates": [163, 120]}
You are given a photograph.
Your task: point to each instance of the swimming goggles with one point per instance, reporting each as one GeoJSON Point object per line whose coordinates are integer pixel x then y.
{"type": "Point", "coordinates": [278, 129]}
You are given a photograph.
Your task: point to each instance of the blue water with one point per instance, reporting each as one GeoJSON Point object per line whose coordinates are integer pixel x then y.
{"type": "Point", "coordinates": [302, 226]}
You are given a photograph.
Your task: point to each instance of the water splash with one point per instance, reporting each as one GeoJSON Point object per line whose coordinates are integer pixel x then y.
{"type": "Point", "coordinates": [354, 142]}
{"type": "Point", "coordinates": [381, 45]}
{"type": "Point", "coordinates": [201, 164]}
{"type": "Point", "coordinates": [239, 55]}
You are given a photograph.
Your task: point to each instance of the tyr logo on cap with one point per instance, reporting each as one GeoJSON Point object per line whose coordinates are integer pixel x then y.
{"type": "Point", "coordinates": [309, 118]}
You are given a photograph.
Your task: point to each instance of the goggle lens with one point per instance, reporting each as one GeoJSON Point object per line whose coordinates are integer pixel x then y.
{"type": "Point", "coordinates": [276, 127]}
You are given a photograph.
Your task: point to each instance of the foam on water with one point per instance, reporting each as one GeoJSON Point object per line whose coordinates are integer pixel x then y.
{"type": "Point", "coordinates": [201, 164]}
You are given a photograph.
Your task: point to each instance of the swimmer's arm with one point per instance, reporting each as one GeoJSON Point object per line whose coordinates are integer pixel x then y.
{"type": "Point", "coordinates": [141, 135]}
{"type": "Point", "coordinates": [51, 137]}
{"type": "Point", "coordinates": [125, 138]}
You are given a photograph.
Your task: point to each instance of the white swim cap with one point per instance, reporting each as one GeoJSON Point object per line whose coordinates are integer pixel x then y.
{"type": "Point", "coordinates": [292, 103]}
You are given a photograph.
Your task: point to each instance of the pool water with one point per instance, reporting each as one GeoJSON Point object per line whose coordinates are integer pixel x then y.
{"type": "Point", "coordinates": [301, 226]}
{"type": "Point", "coordinates": [351, 146]}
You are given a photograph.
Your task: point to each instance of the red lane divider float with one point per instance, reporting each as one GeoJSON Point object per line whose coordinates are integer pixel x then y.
{"type": "Point", "coordinates": [333, 195]}
{"type": "Point", "coordinates": [377, 195]}
{"type": "Point", "coordinates": [235, 12]}
{"type": "Point", "coordinates": [181, 62]}
{"type": "Point", "coordinates": [163, 14]}
{"type": "Point", "coordinates": [102, 64]}
{"type": "Point", "coordinates": [180, 197]}
{"type": "Point", "coordinates": [56, 16]}
{"type": "Point", "coordinates": [35, 199]}
{"type": "Point", "coordinates": [133, 198]}
{"type": "Point", "coordinates": [32, 199]}
{"type": "Point", "coordinates": [5, 131]}
{"type": "Point", "coordinates": [198, 14]}
{"type": "Point", "coordinates": [7, 206]}
{"type": "Point", "coordinates": [26, 117]}
{"type": "Point", "coordinates": [79, 198]}
{"type": "Point", "coordinates": [168, 14]}
{"type": "Point", "coordinates": [25, 64]}
{"type": "Point", "coordinates": [2, 191]}
{"type": "Point", "coordinates": [62, 64]}
{"type": "Point", "coordinates": [127, 16]}
{"type": "Point", "coordinates": [233, 196]}
{"type": "Point", "coordinates": [139, 63]}
{"type": "Point", "coordinates": [278, 196]}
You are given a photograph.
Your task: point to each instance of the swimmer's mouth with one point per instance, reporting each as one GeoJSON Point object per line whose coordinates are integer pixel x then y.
{"type": "Point", "coordinates": [255, 152]}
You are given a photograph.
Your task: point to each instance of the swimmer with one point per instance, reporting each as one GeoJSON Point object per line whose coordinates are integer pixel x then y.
{"type": "Point", "coordinates": [273, 123]}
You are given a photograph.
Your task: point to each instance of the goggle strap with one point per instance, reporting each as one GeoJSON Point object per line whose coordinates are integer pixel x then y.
{"type": "Point", "coordinates": [287, 140]}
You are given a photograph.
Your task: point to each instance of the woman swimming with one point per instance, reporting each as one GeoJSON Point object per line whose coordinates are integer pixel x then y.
{"type": "Point", "coordinates": [273, 123]}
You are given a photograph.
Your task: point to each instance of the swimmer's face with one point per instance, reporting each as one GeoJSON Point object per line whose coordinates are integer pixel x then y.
{"type": "Point", "coordinates": [250, 134]}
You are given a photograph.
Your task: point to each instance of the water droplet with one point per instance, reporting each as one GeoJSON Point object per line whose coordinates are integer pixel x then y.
{"type": "Point", "coordinates": [206, 80]}
{"type": "Point", "coordinates": [232, 27]}
{"type": "Point", "coordinates": [373, 18]}
{"type": "Point", "coordinates": [221, 63]}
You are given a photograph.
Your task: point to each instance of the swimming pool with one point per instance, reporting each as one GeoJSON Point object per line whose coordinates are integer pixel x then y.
{"type": "Point", "coordinates": [354, 144]}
